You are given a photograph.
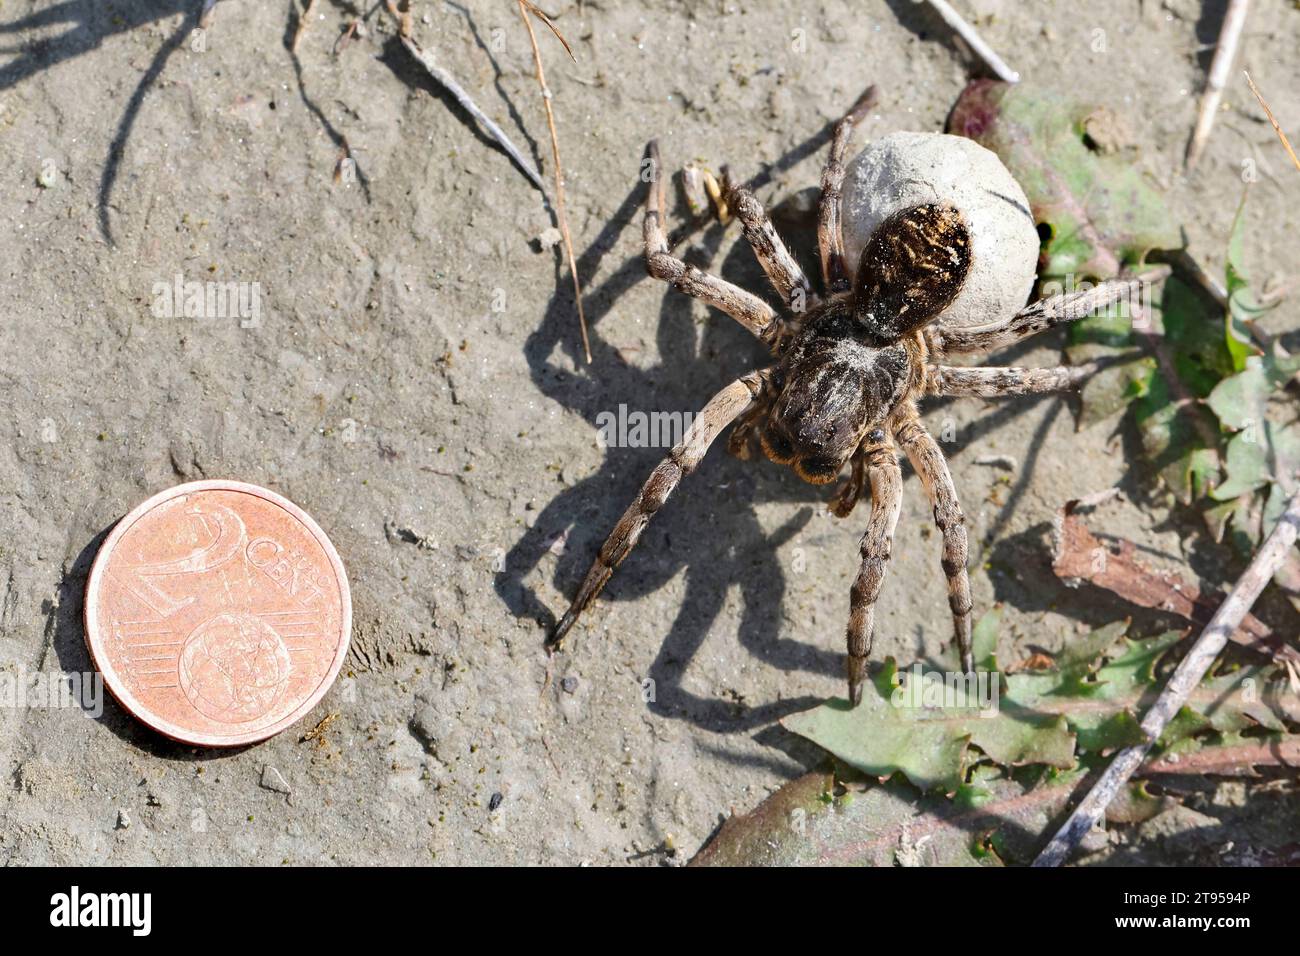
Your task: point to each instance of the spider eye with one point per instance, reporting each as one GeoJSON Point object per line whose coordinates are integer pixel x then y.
{"type": "Point", "coordinates": [911, 269]}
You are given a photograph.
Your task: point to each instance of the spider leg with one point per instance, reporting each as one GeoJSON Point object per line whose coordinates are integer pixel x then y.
{"type": "Point", "coordinates": [881, 466]}
{"type": "Point", "coordinates": [743, 439]}
{"type": "Point", "coordinates": [847, 495]}
{"type": "Point", "coordinates": [924, 454]}
{"type": "Point", "coordinates": [721, 410]}
{"type": "Point", "coordinates": [785, 273]}
{"type": "Point", "coordinates": [1041, 315]}
{"type": "Point", "coordinates": [830, 233]}
{"type": "Point", "coordinates": [995, 382]}
{"type": "Point", "coordinates": [745, 307]}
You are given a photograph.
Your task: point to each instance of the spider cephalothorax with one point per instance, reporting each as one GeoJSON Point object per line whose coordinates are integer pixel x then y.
{"type": "Point", "coordinates": [848, 370]}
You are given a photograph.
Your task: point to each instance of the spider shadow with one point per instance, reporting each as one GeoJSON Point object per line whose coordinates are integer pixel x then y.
{"type": "Point", "coordinates": [89, 24]}
{"type": "Point", "coordinates": [715, 545]}
{"type": "Point", "coordinates": [68, 640]}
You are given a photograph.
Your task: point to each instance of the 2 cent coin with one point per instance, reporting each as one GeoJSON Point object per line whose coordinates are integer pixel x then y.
{"type": "Point", "coordinates": [218, 613]}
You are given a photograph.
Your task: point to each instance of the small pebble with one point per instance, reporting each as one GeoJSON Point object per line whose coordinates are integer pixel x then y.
{"type": "Point", "coordinates": [1095, 839]}
{"type": "Point", "coordinates": [494, 801]}
{"type": "Point", "coordinates": [123, 820]}
{"type": "Point", "coordinates": [569, 685]}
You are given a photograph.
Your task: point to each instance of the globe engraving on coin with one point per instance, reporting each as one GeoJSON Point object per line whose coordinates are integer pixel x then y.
{"type": "Point", "coordinates": [218, 613]}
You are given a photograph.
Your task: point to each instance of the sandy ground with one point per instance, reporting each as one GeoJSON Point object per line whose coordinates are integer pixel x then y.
{"type": "Point", "coordinates": [416, 375]}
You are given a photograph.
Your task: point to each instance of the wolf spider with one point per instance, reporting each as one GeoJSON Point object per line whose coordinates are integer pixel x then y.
{"type": "Point", "coordinates": [849, 368]}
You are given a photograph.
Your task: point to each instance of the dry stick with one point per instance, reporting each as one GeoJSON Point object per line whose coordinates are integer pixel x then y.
{"type": "Point", "coordinates": [1075, 560]}
{"type": "Point", "coordinates": [301, 28]}
{"type": "Point", "coordinates": [975, 41]}
{"type": "Point", "coordinates": [448, 82]}
{"type": "Point", "coordinates": [1272, 119]}
{"type": "Point", "coordinates": [1224, 53]}
{"type": "Point", "coordinates": [524, 9]}
{"type": "Point", "coordinates": [1190, 672]}
{"type": "Point", "coordinates": [1234, 759]}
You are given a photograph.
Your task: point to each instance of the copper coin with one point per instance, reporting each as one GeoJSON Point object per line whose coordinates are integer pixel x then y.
{"type": "Point", "coordinates": [218, 613]}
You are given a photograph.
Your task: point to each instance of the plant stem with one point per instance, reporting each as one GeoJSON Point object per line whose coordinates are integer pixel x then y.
{"type": "Point", "coordinates": [1224, 53]}
{"type": "Point", "coordinates": [561, 213]}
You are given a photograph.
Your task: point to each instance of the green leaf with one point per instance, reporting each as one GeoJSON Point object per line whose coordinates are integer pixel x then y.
{"type": "Point", "coordinates": [984, 639]}
{"type": "Point", "coordinates": [1113, 388]}
{"type": "Point", "coordinates": [1175, 438]}
{"type": "Point", "coordinates": [1100, 212]}
{"type": "Point", "coordinates": [1249, 697]}
{"type": "Point", "coordinates": [1246, 466]}
{"type": "Point", "coordinates": [1083, 655]}
{"type": "Point", "coordinates": [1241, 400]}
{"type": "Point", "coordinates": [1099, 703]}
{"type": "Point", "coordinates": [921, 726]}
{"type": "Point", "coordinates": [1192, 339]}
{"type": "Point", "coordinates": [915, 725]}
{"type": "Point", "coordinates": [1284, 454]}
{"type": "Point", "coordinates": [1246, 532]}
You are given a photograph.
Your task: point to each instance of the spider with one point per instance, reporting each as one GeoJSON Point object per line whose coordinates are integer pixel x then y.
{"type": "Point", "coordinates": [848, 369]}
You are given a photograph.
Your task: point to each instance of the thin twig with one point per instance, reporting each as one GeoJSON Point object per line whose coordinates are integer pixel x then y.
{"type": "Point", "coordinates": [347, 36]}
{"type": "Point", "coordinates": [448, 82]}
{"type": "Point", "coordinates": [525, 7]}
{"type": "Point", "coordinates": [1190, 672]}
{"type": "Point", "coordinates": [303, 22]}
{"type": "Point", "coordinates": [975, 41]}
{"type": "Point", "coordinates": [538, 12]}
{"type": "Point", "coordinates": [1224, 53]}
{"type": "Point", "coordinates": [1272, 119]}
